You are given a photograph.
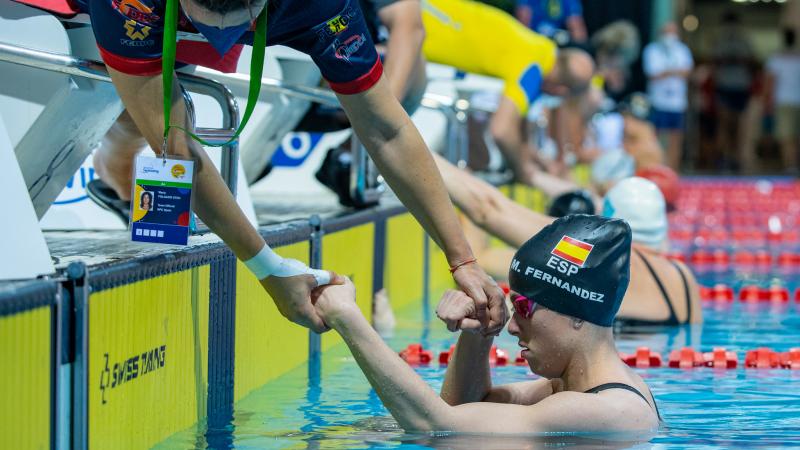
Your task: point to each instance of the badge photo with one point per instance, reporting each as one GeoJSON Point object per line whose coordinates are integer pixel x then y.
{"type": "Point", "coordinates": [161, 204]}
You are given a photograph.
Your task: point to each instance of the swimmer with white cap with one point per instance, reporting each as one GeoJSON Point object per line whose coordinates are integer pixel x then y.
{"type": "Point", "coordinates": [568, 282]}
{"type": "Point", "coordinates": [640, 202]}
{"type": "Point", "coordinates": [662, 292]}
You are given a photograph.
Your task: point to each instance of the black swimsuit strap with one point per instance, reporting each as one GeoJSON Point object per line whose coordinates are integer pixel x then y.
{"type": "Point", "coordinates": [673, 318]}
{"type": "Point", "coordinates": [627, 387]}
{"type": "Point", "coordinates": [685, 291]}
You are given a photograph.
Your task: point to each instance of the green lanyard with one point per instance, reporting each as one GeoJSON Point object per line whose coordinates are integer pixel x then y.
{"type": "Point", "coordinates": [168, 69]}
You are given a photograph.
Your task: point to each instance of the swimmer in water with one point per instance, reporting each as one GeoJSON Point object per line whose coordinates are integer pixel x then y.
{"type": "Point", "coordinates": [568, 282]}
{"type": "Point", "coordinates": [662, 292]}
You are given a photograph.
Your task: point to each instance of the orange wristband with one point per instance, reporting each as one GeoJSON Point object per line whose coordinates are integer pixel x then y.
{"type": "Point", "coordinates": [461, 264]}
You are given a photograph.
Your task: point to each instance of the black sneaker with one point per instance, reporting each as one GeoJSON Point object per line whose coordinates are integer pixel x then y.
{"type": "Point", "coordinates": [334, 173]}
{"type": "Point", "coordinates": [106, 198]}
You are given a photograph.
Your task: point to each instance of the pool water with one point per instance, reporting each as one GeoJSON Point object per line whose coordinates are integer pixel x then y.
{"type": "Point", "coordinates": [701, 408]}
{"type": "Point", "coordinates": [329, 404]}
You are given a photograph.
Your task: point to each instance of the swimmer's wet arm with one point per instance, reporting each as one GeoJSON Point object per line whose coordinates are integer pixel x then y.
{"type": "Point", "coordinates": [488, 208]}
{"type": "Point", "coordinates": [551, 185]}
{"type": "Point", "coordinates": [468, 378]}
{"type": "Point", "coordinates": [410, 400]}
{"type": "Point", "coordinates": [404, 49]}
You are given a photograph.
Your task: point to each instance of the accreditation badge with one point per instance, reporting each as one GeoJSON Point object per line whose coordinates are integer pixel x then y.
{"type": "Point", "coordinates": [161, 204]}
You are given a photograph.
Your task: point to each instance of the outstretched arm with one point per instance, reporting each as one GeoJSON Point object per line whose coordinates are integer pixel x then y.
{"type": "Point", "coordinates": [404, 160]}
{"type": "Point", "coordinates": [143, 96]}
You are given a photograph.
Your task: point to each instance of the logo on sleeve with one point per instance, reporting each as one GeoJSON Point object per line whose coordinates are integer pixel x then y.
{"type": "Point", "coordinates": [344, 50]}
{"type": "Point", "coordinates": [336, 25]}
{"type": "Point", "coordinates": [136, 31]}
{"type": "Point", "coordinates": [136, 10]}
{"type": "Point", "coordinates": [572, 250]}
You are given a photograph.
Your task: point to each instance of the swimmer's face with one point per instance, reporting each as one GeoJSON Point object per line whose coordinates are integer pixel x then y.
{"type": "Point", "coordinates": [542, 339]}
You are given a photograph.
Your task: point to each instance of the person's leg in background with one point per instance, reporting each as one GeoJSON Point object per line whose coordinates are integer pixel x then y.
{"type": "Point", "coordinates": [670, 126]}
{"type": "Point", "coordinates": [787, 119]}
{"type": "Point", "coordinates": [750, 132]}
{"type": "Point", "coordinates": [728, 132]}
{"type": "Point", "coordinates": [506, 127]}
{"type": "Point", "coordinates": [113, 159]}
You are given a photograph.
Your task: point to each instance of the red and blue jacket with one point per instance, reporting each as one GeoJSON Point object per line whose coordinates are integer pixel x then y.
{"type": "Point", "coordinates": [332, 32]}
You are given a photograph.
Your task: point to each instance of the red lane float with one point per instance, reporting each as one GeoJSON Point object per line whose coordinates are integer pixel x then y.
{"type": "Point", "coordinates": [776, 294]}
{"type": "Point", "coordinates": [791, 359]}
{"type": "Point", "coordinates": [748, 258]}
{"type": "Point", "coordinates": [762, 358]}
{"type": "Point", "coordinates": [718, 293]}
{"type": "Point", "coordinates": [750, 293]}
{"type": "Point", "coordinates": [685, 358]}
{"type": "Point", "coordinates": [720, 358]}
{"type": "Point", "coordinates": [444, 357]}
{"type": "Point", "coordinates": [717, 258]}
{"type": "Point", "coordinates": [497, 357]}
{"type": "Point", "coordinates": [789, 260]}
{"type": "Point", "coordinates": [642, 359]}
{"type": "Point", "coordinates": [681, 235]}
{"type": "Point", "coordinates": [754, 294]}
{"type": "Point", "coordinates": [416, 355]}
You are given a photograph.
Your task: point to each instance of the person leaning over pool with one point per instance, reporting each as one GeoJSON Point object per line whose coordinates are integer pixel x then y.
{"type": "Point", "coordinates": [129, 35]}
{"type": "Point", "coordinates": [568, 282]}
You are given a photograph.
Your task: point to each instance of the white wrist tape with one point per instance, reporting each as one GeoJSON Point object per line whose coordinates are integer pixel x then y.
{"type": "Point", "coordinates": [268, 263]}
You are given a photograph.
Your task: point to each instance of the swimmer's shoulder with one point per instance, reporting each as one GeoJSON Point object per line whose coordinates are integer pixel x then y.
{"type": "Point", "coordinates": [612, 410]}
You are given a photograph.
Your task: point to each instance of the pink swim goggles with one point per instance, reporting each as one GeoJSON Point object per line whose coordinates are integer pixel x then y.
{"type": "Point", "coordinates": [523, 305]}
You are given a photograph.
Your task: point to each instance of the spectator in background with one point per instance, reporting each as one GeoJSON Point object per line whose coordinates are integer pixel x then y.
{"type": "Point", "coordinates": [667, 64]}
{"type": "Point", "coordinates": [733, 63]}
{"type": "Point", "coordinates": [616, 47]}
{"type": "Point", "coordinates": [553, 18]}
{"type": "Point", "coordinates": [783, 84]}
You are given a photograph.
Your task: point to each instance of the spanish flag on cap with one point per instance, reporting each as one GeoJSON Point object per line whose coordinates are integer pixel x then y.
{"type": "Point", "coordinates": [593, 293]}
{"type": "Point", "coordinates": [573, 250]}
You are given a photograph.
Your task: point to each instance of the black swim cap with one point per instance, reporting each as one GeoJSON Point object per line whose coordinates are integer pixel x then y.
{"type": "Point", "coordinates": [575, 202]}
{"type": "Point", "coordinates": [578, 266]}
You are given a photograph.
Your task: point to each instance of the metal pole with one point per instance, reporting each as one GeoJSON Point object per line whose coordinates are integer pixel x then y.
{"type": "Point", "coordinates": [94, 70]}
